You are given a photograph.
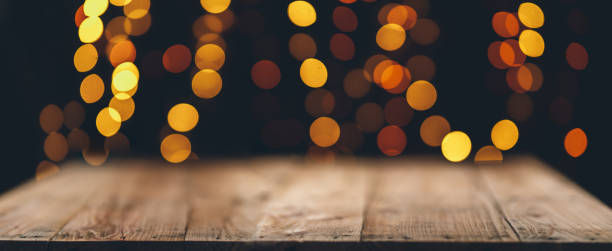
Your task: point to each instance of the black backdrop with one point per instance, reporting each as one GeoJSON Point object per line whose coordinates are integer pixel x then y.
{"type": "Point", "coordinates": [39, 39]}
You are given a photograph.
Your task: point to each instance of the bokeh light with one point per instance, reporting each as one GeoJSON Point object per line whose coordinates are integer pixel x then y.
{"type": "Point", "coordinates": [342, 47]}
{"type": "Point", "coordinates": [519, 106]}
{"type": "Point", "coordinates": [398, 112]}
{"type": "Point", "coordinates": [576, 56]}
{"type": "Point", "coordinates": [356, 84]}
{"type": "Point", "coordinates": [301, 13]}
{"type": "Point", "coordinates": [324, 132]}
{"type": "Point", "coordinates": [122, 51]}
{"type": "Point", "coordinates": [74, 114]}
{"type": "Point", "coordinates": [504, 134]}
{"type": "Point", "coordinates": [511, 54]}
{"type": "Point", "coordinates": [395, 79]}
{"type": "Point", "coordinates": [488, 154]}
{"type": "Point", "coordinates": [505, 24]}
{"type": "Point", "coordinates": [120, 2]}
{"type": "Point", "coordinates": [94, 8]}
{"type": "Point", "coordinates": [51, 118]}
{"type": "Point", "coordinates": [92, 88]}
{"type": "Point", "coordinates": [118, 143]}
{"type": "Point", "coordinates": [125, 107]}
{"type": "Point", "coordinates": [206, 84]}
{"type": "Point", "coordinates": [95, 156]}
{"type": "Point", "coordinates": [344, 19]}
{"type": "Point", "coordinates": [402, 15]}
{"type": "Point", "coordinates": [302, 46]}
{"type": "Point", "coordinates": [108, 121]}
{"type": "Point", "coordinates": [46, 169]}
{"type": "Point", "coordinates": [265, 74]}
{"type": "Point", "coordinates": [183, 117]}
{"type": "Point", "coordinates": [421, 95]}
{"type": "Point", "coordinates": [176, 58]}
{"type": "Point", "coordinates": [425, 32]}
{"type": "Point", "coordinates": [369, 117]}
{"type": "Point", "coordinates": [433, 129]}
{"type": "Point", "coordinates": [55, 146]}
{"type": "Point", "coordinates": [78, 140]}
{"type": "Point", "coordinates": [575, 142]}
{"type": "Point", "coordinates": [390, 37]}
{"type": "Point", "coordinates": [85, 58]}
{"type": "Point", "coordinates": [136, 9]}
{"type": "Point", "coordinates": [456, 146]}
{"type": "Point", "coordinates": [137, 27]}
{"type": "Point", "coordinates": [319, 102]}
{"type": "Point", "coordinates": [210, 56]}
{"type": "Point", "coordinates": [90, 29]}
{"type": "Point", "coordinates": [313, 73]}
{"type": "Point", "coordinates": [79, 16]}
{"type": "Point", "coordinates": [215, 6]}
{"type": "Point", "coordinates": [421, 67]}
{"type": "Point", "coordinates": [175, 148]}
{"type": "Point", "coordinates": [391, 140]}
{"type": "Point", "coordinates": [531, 43]}
{"type": "Point", "coordinates": [531, 15]}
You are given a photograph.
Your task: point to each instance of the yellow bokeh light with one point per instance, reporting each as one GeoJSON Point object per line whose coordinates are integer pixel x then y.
{"type": "Point", "coordinates": [301, 13]}
{"type": "Point", "coordinates": [125, 107]}
{"type": "Point", "coordinates": [85, 57]}
{"type": "Point", "coordinates": [210, 56]}
{"type": "Point", "coordinates": [421, 95]}
{"type": "Point", "coordinates": [108, 121]}
{"type": "Point", "coordinates": [127, 66]}
{"type": "Point", "coordinates": [531, 43]}
{"type": "Point", "coordinates": [95, 8]}
{"type": "Point", "coordinates": [313, 73]}
{"type": "Point", "coordinates": [120, 2]}
{"type": "Point", "coordinates": [215, 6]}
{"type": "Point", "coordinates": [390, 37]}
{"type": "Point", "coordinates": [136, 9]}
{"type": "Point", "coordinates": [456, 146]}
{"type": "Point", "coordinates": [183, 117]}
{"type": "Point", "coordinates": [124, 82]}
{"type": "Point", "coordinates": [531, 15]}
{"type": "Point", "coordinates": [206, 83]}
{"type": "Point", "coordinates": [91, 29]}
{"type": "Point", "coordinates": [504, 134]}
{"type": "Point", "coordinates": [324, 131]}
{"type": "Point", "coordinates": [175, 148]}
{"type": "Point", "coordinates": [92, 88]}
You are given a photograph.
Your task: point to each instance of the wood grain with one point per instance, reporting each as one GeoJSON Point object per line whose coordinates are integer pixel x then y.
{"type": "Point", "coordinates": [544, 206]}
{"type": "Point", "coordinates": [429, 200]}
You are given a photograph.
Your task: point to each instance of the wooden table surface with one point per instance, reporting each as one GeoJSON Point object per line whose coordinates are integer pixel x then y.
{"type": "Point", "coordinates": [417, 203]}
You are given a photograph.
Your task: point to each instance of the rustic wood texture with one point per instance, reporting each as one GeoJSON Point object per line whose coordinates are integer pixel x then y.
{"type": "Point", "coordinates": [420, 203]}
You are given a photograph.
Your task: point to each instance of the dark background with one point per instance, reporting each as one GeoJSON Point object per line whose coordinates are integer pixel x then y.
{"type": "Point", "coordinates": [39, 39]}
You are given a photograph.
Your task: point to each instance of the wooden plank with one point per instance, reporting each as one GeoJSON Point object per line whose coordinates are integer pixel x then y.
{"type": "Point", "coordinates": [227, 199]}
{"type": "Point", "coordinates": [429, 200]}
{"type": "Point", "coordinates": [36, 211]}
{"type": "Point", "coordinates": [322, 203]}
{"type": "Point", "coordinates": [143, 204]}
{"type": "Point", "coordinates": [544, 206]}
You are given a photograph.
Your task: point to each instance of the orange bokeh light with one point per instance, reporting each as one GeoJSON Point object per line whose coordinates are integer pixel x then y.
{"type": "Point", "coordinates": [265, 74]}
{"type": "Point", "coordinates": [176, 58]}
{"type": "Point", "coordinates": [575, 142]}
{"type": "Point", "coordinates": [391, 140]}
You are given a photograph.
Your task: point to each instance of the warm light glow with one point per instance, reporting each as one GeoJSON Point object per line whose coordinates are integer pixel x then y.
{"type": "Point", "coordinates": [531, 15]}
{"type": "Point", "coordinates": [577, 56]}
{"type": "Point", "coordinates": [183, 117]}
{"type": "Point", "coordinates": [403, 15]}
{"type": "Point", "coordinates": [421, 95]}
{"type": "Point", "coordinates": [433, 129]}
{"type": "Point", "coordinates": [108, 121]}
{"type": "Point", "coordinates": [456, 146]}
{"type": "Point", "coordinates": [78, 140]}
{"type": "Point", "coordinates": [302, 46]}
{"type": "Point", "coordinates": [215, 6]}
{"type": "Point", "coordinates": [395, 79]}
{"type": "Point", "coordinates": [95, 8]}
{"type": "Point", "coordinates": [324, 131]}
{"type": "Point", "coordinates": [265, 74]}
{"type": "Point", "coordinates": [124, 82]}
{"type": "Point", "coordinates": [55, 146]}
{"type": "Point", "coordinates": [425, 32]}
{"type": "Point", "coordinates": [355, 83]}
{"type": "Point", "coordinates": [125, 107]}
{"type": "Point", "coordinates": [206, 84]}
{"type": "Point", "coordinates": [210, 56]}
{"type": "Point", "coordinates": [122, 51]}
{"type": "Point", "coordinates": [421, 67]}
{"type": "Point", "coordinates": [90, 29]}
{"type": "Point", "coordinates": [120, 2]}
{"type": "Point", "coordinates": [74, 114]}
{"type": "Point", "coordinates": [391, 140]}
{"type": "Point", "coordinates": [575, 142]}
{"type": "Point", "coordinates": [45, 169]}
{"type": "Point", "coordinates": [137, 27]}
{"type": "Point", "coordinates": [51, 118]}
{"type": "Point", "coordinates": [505, 24]}
{"type": "Point", "coordinates": [504, 135]}
{"type": "Point", "coordinates": [175, 148]}
{"type": "Point", "coordinates": [488, 154]}
{"type": "Point", "coordinates": [398, 112]}
{"type": "Point", "coordinates": [176, 58]}
{"type": "Point", "coordinates": [136, 9]}
{"type": "Point", "coordinates": [369, 117]}
{"type": "Point", "coordinates": [92, 88]}
{"type": "Point", "coordinates": [319, 102]}
{"type": "Point", "coordinates": [313, 73]}
{"type": "Point", "coordinates": [344, 19]}
{"type": "Point", "coordinates": [342, 47]}
{"type": "Point", "coordinates": [85, 58]}
{"type": "Point", "coordinates": [531, 43]}
{"type": "Point", "coordinates": [301, 13]}
{"type": "Point", "coordinates": [511, 54]}
{"type": "Point", "coordinates": [390, 37]}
